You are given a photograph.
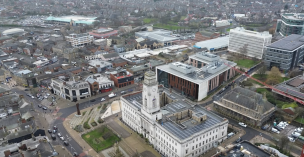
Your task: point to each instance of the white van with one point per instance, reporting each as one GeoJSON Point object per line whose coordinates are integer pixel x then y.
{"type": "Point", "coordinates": [275, 130]}
{"type": "Point", "coordinates": [230, 134]}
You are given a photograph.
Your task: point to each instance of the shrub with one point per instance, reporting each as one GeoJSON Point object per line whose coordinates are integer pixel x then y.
{"type": "Point", "coordinates": [94, 124]}
{"type": "Point", "coordinates": [83, 113]}
{"type": "Point", "coordinates": [78, 128]}
{"type": "Point", "coordinates": [86, 124]}
{"type": "Point", "coordinates": [100, 120]}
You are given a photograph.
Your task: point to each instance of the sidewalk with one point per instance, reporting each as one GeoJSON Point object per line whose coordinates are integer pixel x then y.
{"type": "Point", "coordinates": [77, 136]}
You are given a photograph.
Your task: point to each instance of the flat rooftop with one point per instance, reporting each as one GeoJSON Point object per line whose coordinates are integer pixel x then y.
{"type": "Point", "coordinates": [189, 126]}
{"type": "Point", "coordinates": [197, 75]}
{"type": "Point", "coordinates": [288, 43]}
{"type": "Point", "coordinates": [214, 43]}
{"type": "Point", "coordinates": [205, 57]}
{"type": "Point", "coordinates": [294, 16]}
{"type": "Point", "coordinates": [293, 87]}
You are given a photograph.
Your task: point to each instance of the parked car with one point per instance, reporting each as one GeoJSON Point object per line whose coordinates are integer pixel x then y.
{"type": "Point", "coordinates": [92, 100]}
{"type": "Point", "coordinates": [230, 134]}
{"type": "Point", "coordinates": [62, 138]}
{"type": "Point", "coordinates": [59, 134]}
{"type": "Point", "coordinates": [66, 143]}
{"type": "Point", "coordinates": [265, 127]}
{"type": "Point", "coordinates": [26, 89]}
{"type": "Point", "coordinates": [123, 92]}
{"type": "Point", "coordinates": [112, 95]}
{"type": "Point", "coordinates": [238, 140]}
{"type": "Point", "coordinates": [39, 106]}
{"type": "Point", "coordinates": [32, 97]}
{"type": "Point", "coordinates": [103, 99]}
{"type": "Point", "coordinates": [291, 139]}
{"type": "Point", "coordinates": [44, 108]}
{"type": "Point", "coordinates": [242, 124]}
{"type": "Point", "coordinates": [295, 134]}
{"type": "Point", "coordinates": [75, 154]}
{"type": "Point", "coordinates": [278, 128]}
{"type": "Point", "coordinates": [54, 131]}
{"type": "Point", "coordinates": [49, 130]}
{"type": "Point", "coordinates": [275, 130]}
{"type": "Point", "coordinates": [53, 136]}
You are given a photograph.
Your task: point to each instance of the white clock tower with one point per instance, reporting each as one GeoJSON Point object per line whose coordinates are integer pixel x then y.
{"type": "Point", "coordinates": [150, 97]}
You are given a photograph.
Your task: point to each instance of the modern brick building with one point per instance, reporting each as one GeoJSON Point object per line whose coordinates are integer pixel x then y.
{"type": "Point", "coordinates": [122, 78]}
{"type": "Point", "coordinates": [197, 81]}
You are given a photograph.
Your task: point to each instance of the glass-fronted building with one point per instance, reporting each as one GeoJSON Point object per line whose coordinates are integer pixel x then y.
{"type": "Point", "coordinates": [291, 23]}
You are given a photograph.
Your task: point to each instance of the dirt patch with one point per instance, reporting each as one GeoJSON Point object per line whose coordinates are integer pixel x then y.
{"type": "Point", "coordinates": [87, 136]}
{"type": "Point", "coordinates": [101, 139]}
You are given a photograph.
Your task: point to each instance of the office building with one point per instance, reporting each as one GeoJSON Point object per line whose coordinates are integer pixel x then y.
{"type": "Point", "coordinates": [205, 74]}
{"type": "Point", "coordinates": [246, 105]}
{"type": "Point", "coordinates": [286, 54]}
{"type": "Point", "coordinates": [253, 42]}
{"type": "Point", "coordinates": [177, 129]}
{"type": "Point", "coordinates": [122, 78]}
{"type": "Point", "coordinates": [80, 40]}
{"type": "Point", "coordinates": [71, 90]}
{"type": "Point", "coordinates": [222, 23]}
{"type": "Point", "coordinates": [290, 23]}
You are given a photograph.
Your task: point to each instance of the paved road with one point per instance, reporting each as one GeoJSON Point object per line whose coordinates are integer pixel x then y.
{"type": "Point", "coordinates": [74, 146]}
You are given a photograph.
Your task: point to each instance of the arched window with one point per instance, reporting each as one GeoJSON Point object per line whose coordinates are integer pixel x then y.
{"type": "Point", "coordinates": [145, 103]}
{"type": "Point", "coordinates": [154, 102]}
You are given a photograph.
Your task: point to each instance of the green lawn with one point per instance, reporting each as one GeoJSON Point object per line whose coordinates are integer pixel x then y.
{"type": "Point", "coordinates": [100, 138]}
{"type": "Point", "coordinates": [293, 105]}
{"type": "Point", "coordinates": [299, 119]}
{"type": "Point", "coordinates": [149, 20]}
{"type": "Point", "coordinates": [246, 63]}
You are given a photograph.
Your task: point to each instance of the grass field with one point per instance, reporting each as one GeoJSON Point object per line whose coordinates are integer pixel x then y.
{"type": "Point", "coordinates": [299, 119]}
{"type": "Point", "coordinates": [246, 63]}
{"type": "Point", "coordinates": [149, 20]}
{"type": "Point", "coordinates": [100, 138]}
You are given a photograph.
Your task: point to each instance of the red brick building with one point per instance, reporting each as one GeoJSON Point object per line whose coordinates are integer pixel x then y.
{"type": "Point", "coordinates": [122, 79]}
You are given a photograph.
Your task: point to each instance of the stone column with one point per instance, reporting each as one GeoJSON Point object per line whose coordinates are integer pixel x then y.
{"type": "Point", "coordinates": [78, 111]}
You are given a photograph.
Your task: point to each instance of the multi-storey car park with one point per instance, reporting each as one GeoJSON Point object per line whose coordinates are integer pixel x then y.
{"type": "Point", "coordinates": [290, 23]}
{"type": "Point", "coordinates": [196, 81]}
{"type": "Point", "coordinates": [254, 42]}
{"type": "Point", "coordinates": [178, 128]}
{"type": "Point", "coordinates": [286, 54]}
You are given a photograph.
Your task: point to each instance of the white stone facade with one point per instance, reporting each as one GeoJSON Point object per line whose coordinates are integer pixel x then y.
{"type": "Point", "coordinates": [146, 121]}
{"type": "Point", "coordinates": [255, 41]}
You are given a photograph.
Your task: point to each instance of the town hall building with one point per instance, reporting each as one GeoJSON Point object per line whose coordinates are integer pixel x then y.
{"type": "Point", "coordinates": [175, 129]}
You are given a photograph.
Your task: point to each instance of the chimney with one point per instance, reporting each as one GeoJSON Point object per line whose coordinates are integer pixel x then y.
{"type": "Point", "coordinates": [98, 65]}
{"type": "Point", "coordinates": [7, 153]}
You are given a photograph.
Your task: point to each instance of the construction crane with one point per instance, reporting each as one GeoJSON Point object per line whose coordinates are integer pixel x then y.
{"type": "Point", "coordinates": [269, 86]}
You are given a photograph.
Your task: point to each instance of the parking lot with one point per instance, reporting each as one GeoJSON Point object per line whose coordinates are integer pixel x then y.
{"type": "Point", "coordinates": [288, 130]}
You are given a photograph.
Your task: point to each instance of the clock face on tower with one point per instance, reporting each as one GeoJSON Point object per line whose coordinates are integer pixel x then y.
{"type": "Point", "coordinates": [154, 89]}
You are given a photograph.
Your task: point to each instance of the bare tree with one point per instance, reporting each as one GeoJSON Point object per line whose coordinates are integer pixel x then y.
{"type": "Point", "coordinates": [283, 143]}
{"type": "Point", "coordinates": [262, 70]}
{"type": "Point", "coordinates": [243, 50]}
